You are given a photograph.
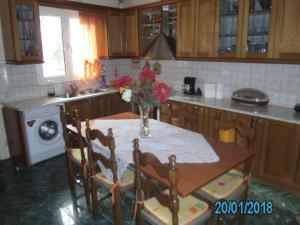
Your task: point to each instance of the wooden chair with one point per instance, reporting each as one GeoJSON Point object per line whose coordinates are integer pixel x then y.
{"type": "Point", "coordinates": [166, 207]}
{"type": "Point", "coordinates": [234, 184]}
{"type": "Point", "coordinates": [76, 151]}
{"type": "Point", "coordinates": [98, 178]}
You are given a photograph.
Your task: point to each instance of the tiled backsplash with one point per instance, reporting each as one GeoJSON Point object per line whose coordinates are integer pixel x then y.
{"type": "Point", "coordinates": [280, 82]}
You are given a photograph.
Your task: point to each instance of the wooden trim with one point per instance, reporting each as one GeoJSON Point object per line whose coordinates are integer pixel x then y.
{"type": "Point", "coordinates": [75, 5]}
{"type": "Point", "coordinates": [155, 4]}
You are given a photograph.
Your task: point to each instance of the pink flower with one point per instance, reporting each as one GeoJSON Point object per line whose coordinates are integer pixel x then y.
{"type": "Point", "coordinates": [147, 73]}
{"type": "Point", "coordinates": [161, 92]}
{"type": "Point", "coordinates": [123, 81]}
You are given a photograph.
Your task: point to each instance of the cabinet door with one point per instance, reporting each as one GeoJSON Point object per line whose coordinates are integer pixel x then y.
{"type": "Point", "coordinates": [118, 105]}
{"type": "Point", "coordinates": [84, 107]}
{"type": "Point", "coordinates": [259, 29]}
{"type": "Point", "coordinates": [131, 41]}
{"type": "Point", "coordinates": [185, 28]}
{"type": "Point", "coordinates": [204, 28]}
{"type": "Point", "coordinates": [116, 32]}
{"type": "Point", "coordinates": [297, 178]}
{"type": "Point", "coordinates": [101, 106]}
{"type": "Point", "coordinates": [280, 153]}
{"type": "Point", "coordinates": [228, 28]}
{"type": "Point", "coordinates": [287, 45]}
{"type": "Point", "coordinates": [22, 38]}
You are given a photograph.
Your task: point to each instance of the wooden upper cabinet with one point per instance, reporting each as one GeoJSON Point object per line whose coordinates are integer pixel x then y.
{"type": "Point", "coordinates": [288, 30]}
{"type": "Point", "coordinates": [131, 40]}
{"type": "Point", "coordinates": [116, 33]}
{"type": "Point", "coordinates": [228, 28]}
{"type": "Point", "coordinates": [258, 29]}
{"type": "Point", "coordinates": [21, 31]}
{"type": "Point", "coordinates": [204, 28]}
{"type": "Point", "coordinates": [185, 28]}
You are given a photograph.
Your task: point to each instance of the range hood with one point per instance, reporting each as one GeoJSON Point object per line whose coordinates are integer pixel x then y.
{"type": "Point", "coordinates": [164, 45]}
{"type": "Point", "coordinates": [161, 48]}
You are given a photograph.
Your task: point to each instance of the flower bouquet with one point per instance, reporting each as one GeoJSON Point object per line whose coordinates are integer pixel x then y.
{"type": "Point", "coordinates": [146, 93]}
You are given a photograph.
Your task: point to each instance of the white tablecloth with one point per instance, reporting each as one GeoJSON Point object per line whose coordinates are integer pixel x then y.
{"type": "Point", "coordinates": [165, 140]}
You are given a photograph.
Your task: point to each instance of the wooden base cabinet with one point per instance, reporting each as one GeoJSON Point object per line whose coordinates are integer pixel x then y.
{"type": "Point", "coordinates": [280, 153]}
{"type": "Point", "coordinates": [277, 144]}
{"type": "Point", "coordinates": [95, 107]}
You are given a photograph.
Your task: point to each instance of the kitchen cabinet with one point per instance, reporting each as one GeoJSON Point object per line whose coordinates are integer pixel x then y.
{"type": "Point", "coordinates": [156, 20]}
{"type": "Point", "coordinates": [84, 106]}
{"type": "Point", "coordinates": [280, 153]}
{"type": "Point", "coordinates": [101, 106]}
{"type": "Point", "coordinates": [195, 28]}
{"type": "Point", "coordinates": [258, 29]}
{"type": "Point", "coordinates": [21, 36]}
{"type": "Point", "coordinates": [185, 28]}
{"type": "Point", "coordinates": [297, 177]}
{"type": "Point", "coordinates": [118, 105]}
{"type": "Point", "coordinates": [245, 29]}
{"type": "Point", "coordinates": [131, 39]}
{"type": "Point", "coordinates": [228, 28]}
{"type": "Point", "coordinates": [116, 33]}
{"type": "Point", "coordinates": [287, 42]}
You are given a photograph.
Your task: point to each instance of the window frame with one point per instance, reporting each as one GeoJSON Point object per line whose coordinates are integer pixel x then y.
{"type": "Point", "coordinates": [65, 15]}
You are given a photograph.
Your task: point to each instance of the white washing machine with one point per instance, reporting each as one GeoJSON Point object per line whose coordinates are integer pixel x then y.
{"type": "Point", "coordinates": [43, 131]}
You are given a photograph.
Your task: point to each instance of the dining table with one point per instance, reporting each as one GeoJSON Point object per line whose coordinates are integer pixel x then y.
{"type": "Point", "coordinates": [192, 174]}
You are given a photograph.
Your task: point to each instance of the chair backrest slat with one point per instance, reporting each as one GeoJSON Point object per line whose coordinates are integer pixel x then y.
{"type": "Point", "coordinates": [72, 139]}
{"type": "Point", "coordinates": [149, 187]}
{"type": "Point", "coordinates": [107, 141]}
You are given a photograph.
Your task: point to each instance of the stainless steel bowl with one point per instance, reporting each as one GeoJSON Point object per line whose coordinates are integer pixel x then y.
{"type": "Point", "coordinates": [250, 96]}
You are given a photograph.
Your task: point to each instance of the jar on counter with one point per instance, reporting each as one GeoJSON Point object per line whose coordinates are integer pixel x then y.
{"type": "Point", "coordinates": [51, 89]}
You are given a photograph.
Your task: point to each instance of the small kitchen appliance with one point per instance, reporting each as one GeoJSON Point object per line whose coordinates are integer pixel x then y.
{"type": "Point", "coordinates": [188, 86]}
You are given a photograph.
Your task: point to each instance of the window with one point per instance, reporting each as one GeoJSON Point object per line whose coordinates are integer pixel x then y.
{"type": "Point", "coordinates": [57, 28]}
{"type": "Point", "coordinates": [72, 44]}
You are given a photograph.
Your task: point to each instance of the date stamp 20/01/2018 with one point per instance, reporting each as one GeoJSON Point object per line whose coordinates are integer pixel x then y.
{"type": "Point", "coordinates": [233, 207]}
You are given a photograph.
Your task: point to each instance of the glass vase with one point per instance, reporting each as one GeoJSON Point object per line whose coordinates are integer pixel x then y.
{"type": "Point", "coordinates": [144, 113]}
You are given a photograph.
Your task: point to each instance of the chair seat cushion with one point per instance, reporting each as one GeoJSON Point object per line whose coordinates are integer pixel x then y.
{"type": "Point", "coordinates": [75, 154]}
{"type": "Point", "coordinates": [191, 210]}
{"type": "Point", "coordinates": [126, 181]}
{"type": "Point", "coordinates": [224, 186]}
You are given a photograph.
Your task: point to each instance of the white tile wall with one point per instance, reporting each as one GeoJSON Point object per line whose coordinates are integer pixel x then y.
{"type": "Point", "coordinates": [280, 81]}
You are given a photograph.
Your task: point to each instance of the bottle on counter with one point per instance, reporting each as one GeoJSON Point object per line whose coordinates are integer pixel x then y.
{"type": "Point", "coordinates": [51, 89]}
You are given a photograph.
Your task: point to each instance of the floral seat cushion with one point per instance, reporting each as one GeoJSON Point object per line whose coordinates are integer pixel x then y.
{"type": "Point", "coordinates": [191, 210]}
{"type": "Point", "coordinates": [126, 181]}
{"type": "Point", "coordinates": [225, 185]}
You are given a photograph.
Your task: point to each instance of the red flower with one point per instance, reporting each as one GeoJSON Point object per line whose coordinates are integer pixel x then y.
{"type": "Point", "coordinates": [161, 92]}
{"type": "Point", "coordinates": [147, 73]}
{"type": "Point", "coordinates": [123, 81]}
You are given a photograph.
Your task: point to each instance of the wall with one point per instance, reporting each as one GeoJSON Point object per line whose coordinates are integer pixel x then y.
{"type": "Point", "coordinates": [280, 82]}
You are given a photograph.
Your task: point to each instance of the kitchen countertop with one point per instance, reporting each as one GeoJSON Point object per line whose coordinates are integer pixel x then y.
{"type": "Point", "coordinates": [44, 101]}
{"type": "Point", "coordinates": [268, 111]}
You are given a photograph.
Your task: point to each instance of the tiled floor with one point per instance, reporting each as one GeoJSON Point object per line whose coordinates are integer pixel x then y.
{"type": "Point", "coordinates": [41, 196]}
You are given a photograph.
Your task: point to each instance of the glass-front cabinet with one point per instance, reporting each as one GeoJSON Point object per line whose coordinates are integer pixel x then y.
{"type": "Point", "coordinates": [244, 28]}
{"type": "Point", "coordinates": [258, 21]}
{"type": "Point", "coordinates": [22, 38]}
{"type": "Point", "coordinates": [229, 14]}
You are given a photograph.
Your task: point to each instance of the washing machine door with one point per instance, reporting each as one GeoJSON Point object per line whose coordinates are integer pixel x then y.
{"type": "Point", "coordinates": [48, 131]}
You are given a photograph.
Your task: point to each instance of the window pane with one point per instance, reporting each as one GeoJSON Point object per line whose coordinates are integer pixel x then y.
{"type": "Point", "coordinates": [77, 50]}
{"type": "Point", "coordinates": [51, 30]}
